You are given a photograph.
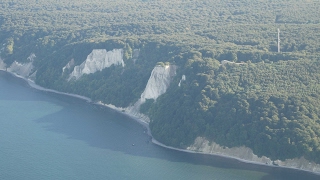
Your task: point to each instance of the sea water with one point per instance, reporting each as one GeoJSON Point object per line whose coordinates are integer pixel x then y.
{"type": "Point", "coordinates": [44, 135]}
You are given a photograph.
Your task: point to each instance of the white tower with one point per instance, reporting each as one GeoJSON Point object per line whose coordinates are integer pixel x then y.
{"type": "Point", "coordinates": [278, 40]}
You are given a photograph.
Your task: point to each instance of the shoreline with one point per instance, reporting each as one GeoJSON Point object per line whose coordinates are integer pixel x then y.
{"type": "Point", "coordinates": [136, 119]}
{"type": "Point", "coordinates": [32, 84]}
{"type": "Point", "coordinates": [154, 141]}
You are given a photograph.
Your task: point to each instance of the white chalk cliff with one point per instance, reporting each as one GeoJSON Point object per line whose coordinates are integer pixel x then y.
{"type": "Point", "coordinates": [21, 69]}
{"type": "Point", "coordinates": [183, 78]}
{"type": "Point", "coordinates": [246, 154]}
{"type": "Point", "coordinates": [97, 60]}
{"type": "Point", "coordinates": [68, 66]}
{"type": "Point", "coordinates": [157, 85]}
{"type": "Point", "coordinates": [158, 82]}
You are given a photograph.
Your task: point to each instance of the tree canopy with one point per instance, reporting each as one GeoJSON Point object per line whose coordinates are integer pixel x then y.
{"type": "Point", "coordinates": [238, 89]}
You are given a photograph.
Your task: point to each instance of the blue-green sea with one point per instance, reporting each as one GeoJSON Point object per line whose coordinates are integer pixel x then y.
{"type": "Point", "coordinates": [44, 135]}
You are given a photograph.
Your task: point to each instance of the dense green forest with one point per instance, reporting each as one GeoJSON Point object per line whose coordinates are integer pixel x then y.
{"type": "Point", "coordinates": [263, 99]}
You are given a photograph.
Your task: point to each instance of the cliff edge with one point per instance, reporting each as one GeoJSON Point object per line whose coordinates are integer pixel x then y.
{"type": "Point", "coordinates": [97, 60]}
{"type": "Point", "coordinates": [202, 145]}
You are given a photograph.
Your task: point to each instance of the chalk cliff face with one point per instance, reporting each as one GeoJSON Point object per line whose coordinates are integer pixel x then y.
{"type": "Point", "coordinates": [243, 153]}
{"type": "Point", "coordinates": [97, 60]}
{"type": "Point", "coordinates": [23, 69]}
{"type": "Point", "coordinates": [158, 82]}
{"type": "Point", "coordinates": [183, 78]}
{"type": "Point", "coordinates": [157, 85]}
{"type": "Point", "coordinates": [68, 66]}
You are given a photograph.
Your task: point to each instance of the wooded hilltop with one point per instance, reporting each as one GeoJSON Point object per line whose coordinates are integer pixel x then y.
{"type": "Point", "coordinates": [263, 99]}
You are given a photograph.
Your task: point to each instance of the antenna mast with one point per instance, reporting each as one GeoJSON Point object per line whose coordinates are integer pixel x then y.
{"type": "Point", "coordinates": [278, 40]}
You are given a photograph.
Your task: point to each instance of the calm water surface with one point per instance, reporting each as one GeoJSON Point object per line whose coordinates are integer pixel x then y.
{"type": "Point", "coordinates": [49, 136]}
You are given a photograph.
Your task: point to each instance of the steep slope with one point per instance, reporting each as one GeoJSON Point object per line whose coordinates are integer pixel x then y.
{"type": "Point", "coordinates": [97, 60]}
{"type": "Point", "coordinates": [158, 83]}
{"type": "Point", "coordinates": [22, 69]}
{"type": "Point", "coordinates": [204, 107]}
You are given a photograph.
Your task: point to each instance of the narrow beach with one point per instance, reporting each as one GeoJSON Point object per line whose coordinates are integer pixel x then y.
{"type": "Point", "coordinates": [145, 125]}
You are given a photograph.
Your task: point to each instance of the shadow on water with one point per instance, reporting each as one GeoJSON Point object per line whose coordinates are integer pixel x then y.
{"type": "Point", "coordinates": [104, 128]}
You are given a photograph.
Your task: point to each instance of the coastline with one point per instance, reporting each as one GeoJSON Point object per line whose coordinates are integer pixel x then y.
{"type": "Point", "coordinates": [230, 157]}
{"type": "Point", "coordinates": [146, 125]}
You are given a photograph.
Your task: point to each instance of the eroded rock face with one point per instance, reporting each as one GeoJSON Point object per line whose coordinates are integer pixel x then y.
{"type": "Point", "coordinates": [23, 69]}
{"type": "Point", "coordinates": [157, 85]}
{"type": "Point", "coordinates": [158, 82]}
{"type": "Point", "coordinates": [97, 60]}
{"type": "Point", "coordinates": [243, 153]}
{"type": "Point", "coordinates": [183, 78]}
{"type": "Point", "coordinates": [68, 66]}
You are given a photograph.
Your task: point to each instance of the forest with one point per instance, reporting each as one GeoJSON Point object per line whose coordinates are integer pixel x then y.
{"type": "Point", "coordinates": [263, 99]}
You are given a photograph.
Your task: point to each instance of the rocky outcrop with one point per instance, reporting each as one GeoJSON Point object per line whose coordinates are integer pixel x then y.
{"type": "Point", "coordinates": [299, 163]}
{"type": "Point", "coordinates": [23, 69]}
{"type": "Point", "coordinates": [202, 145]}
{"type": "Point", "coordinates": [134, 111]}
{"type": "Point", "coordinates": [158, 82]}
{"type": "Point", "coordinates": [97, 60]}
{"type": "Point", "coordinates": [183, 78]}
{"type": "Point", "coordinates": [224, 62]}
{"type": "Point", "coordinates": [70, 65]}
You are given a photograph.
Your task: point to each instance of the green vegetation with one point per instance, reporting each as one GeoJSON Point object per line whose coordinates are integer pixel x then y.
{"type": "Point", "coordinates": [264, 106]}
{"type": "Point", "coordinates": [265, 100]}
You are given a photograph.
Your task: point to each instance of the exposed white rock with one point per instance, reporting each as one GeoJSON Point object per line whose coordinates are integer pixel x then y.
{"type": "Point", "coordinates": [157, 85]}
{"type": "Point", "coordinates": [23, 69]}
{"type": "Point", "coordinates": [243, 153]}
{"type": "Point", "coordinates": [134, 111]}
{"type": "Point", "coordinates": [183, 78]}
{"type": "Point", "coordinates": [68, 66]}
{"type": "Point", "coordinates": [158, 82]}
{"type": "Point", "coordinates": [223, 62]}
{"type": "Point", "coordinates": [31, 57]}
{"type": "Point", "coordinates": [97, 60]}
{"type": "Point", "coordinates": [300, 163]}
